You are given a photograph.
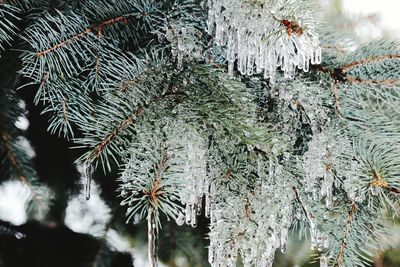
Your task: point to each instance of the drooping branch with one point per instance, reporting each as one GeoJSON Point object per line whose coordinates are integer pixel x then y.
{"type": "Point", "coordinates": [346, 233]}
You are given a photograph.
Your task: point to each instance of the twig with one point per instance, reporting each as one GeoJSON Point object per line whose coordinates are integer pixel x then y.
{"type": "Point", "coordinates": [336, 96]}
{"type": "Point", "coordinates": [350, 217]}
{"type": "Point", "coordinates": [64, 107]}
{"type": "Point", "coordinates": [80, 35]}
{"type": "Point", "coordinates": [370, 81]}
{"type": "Point", "coordinates": [368, 60]}
{"type": "Point", "coordinates": [309, 215]}
{"type": "Point", "coordinates": [378, 180]}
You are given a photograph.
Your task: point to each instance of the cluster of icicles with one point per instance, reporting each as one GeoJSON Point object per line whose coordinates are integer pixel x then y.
{"type": "Point", "coordinates": [258, 38]}
{"type": "Point", "coordinates": [252, 224]}
{"type": "Point", "coordinates": [247, 223]}
{"type": "Point", "coordinates": [190, 148]}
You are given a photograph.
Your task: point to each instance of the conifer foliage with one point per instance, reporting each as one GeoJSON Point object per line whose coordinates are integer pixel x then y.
{"type": "Point", "coordinates": [252, 113]}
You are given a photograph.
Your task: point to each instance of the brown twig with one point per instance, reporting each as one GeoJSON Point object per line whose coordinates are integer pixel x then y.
{"type": "Point", "coordinates": [372, 18]}
{"type": "Point", "coordinates": [368, 60]}
{"type": "Point", "coordinates": [64, 107]}
{"type": "Point", "coordinates": [330, 46]}
{"type": "Point", "coordinates": [378, 180]}
{"type": "Point", "coordinates": [370, 81]}
{"type": "Point", "coordinates": [80, 35]}
{"type": "Point", "coordinates": [309, 215]}
{"type": "Point", "coordinates": [350, 217]}
{"type": "Point", "coordinates": [336, 96]}
{"type": "Point", "coordinates": [109, 137]}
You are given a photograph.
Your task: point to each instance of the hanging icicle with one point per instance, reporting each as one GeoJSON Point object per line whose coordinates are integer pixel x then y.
{"type": "Point", "coordinates": [88, 174]}
{"type": "Point", "coordinates": [260, 36]}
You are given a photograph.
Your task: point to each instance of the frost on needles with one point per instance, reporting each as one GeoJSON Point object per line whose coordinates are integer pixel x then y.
{"type": "Point", "coordinates": [223, 109]}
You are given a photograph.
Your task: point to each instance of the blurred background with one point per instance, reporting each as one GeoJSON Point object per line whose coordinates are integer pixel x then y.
{"type": "Point", "coordinates": [93, 233]}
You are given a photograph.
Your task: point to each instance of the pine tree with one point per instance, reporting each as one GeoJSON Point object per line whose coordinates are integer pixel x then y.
{"type": "Point", "coordinates": [254, 111]}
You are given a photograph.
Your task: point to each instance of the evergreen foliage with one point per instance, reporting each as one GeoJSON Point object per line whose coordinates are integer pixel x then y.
{"type": "Point", "coordinates": [225, 107]}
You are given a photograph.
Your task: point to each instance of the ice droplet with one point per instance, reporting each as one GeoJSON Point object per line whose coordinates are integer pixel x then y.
{"type": "Point", "coordinates": [181, 219]}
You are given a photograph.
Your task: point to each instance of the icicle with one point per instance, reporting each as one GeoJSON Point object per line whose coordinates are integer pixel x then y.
{"type": "Point", "coordinates": [323, 261]}
{"type": "Point", "coordinates": [231, 65]}
{"type": "Point", "coordinates": [207, 206]}
{"type": "Point", "coordinates": [188, 213]}
{"type": "Point", "coordinates": [152, 238]}
{"type": "Point", "coordinates": [198, 207]}
{"type": "Point", "coordinates": [88, 174]}
{"type": "Point", "coordinates": [237, 27]}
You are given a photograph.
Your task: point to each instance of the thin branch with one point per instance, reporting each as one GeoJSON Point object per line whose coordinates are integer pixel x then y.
{"type": "Point", "coordinates": [370, 81]}
{"type": "Point", "coordinates": [97, 67]}
{"type": "Point", "coordinates": [368, 60]}
{"type": "Point", "coordinates": [331, 46]}
{"type": "Point", "coordinates": [68, 41]}
{"type": "Point", "coordinates": [64, 107]}
{"type": "Point", "coordinates": [80, 35]}
{"type": "Point", "coordinates": [309, 215]}
{"type": "Point", "coordinates": [352, 24]}
{"type": "Point", "coordinates": [121, 127]}
{"type": "Point", "coordinates": [346, 233]}
{"type": "Point", "coordinates": [336, 96]}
